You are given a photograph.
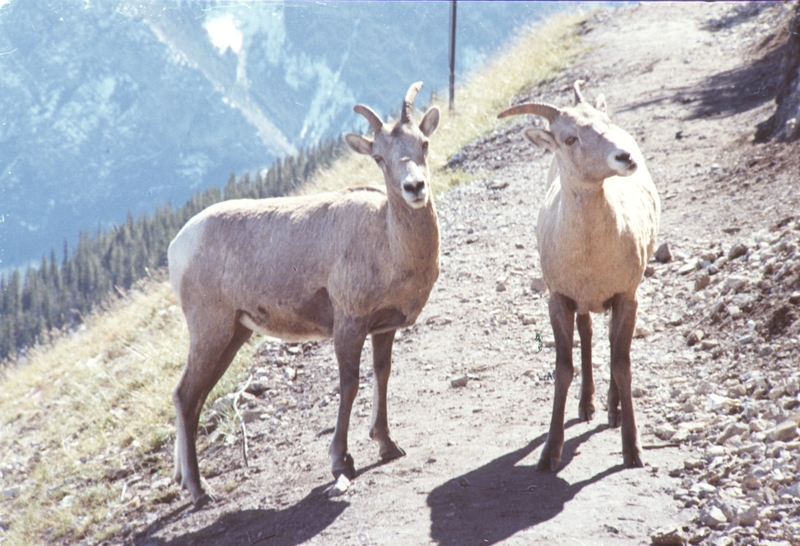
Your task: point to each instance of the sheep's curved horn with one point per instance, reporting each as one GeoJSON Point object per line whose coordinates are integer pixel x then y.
{"type": "Point", "coordinates": [373, 119]}
{"type": "Point", "coordinates": [408, 102]}
{"type": "Point", "coordinates": [547, 111]}
{"type": "Point", "coordinates": [577, 87]}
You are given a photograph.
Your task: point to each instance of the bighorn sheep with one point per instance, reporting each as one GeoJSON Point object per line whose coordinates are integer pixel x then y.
{"type": "Point", "coordinates": [345, 265]}
{"type": "Point", "coordinates": [596, 231]}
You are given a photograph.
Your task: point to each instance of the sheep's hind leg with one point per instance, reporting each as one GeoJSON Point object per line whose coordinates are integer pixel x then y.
{"type": "Point", "coordinates": [382, 364]}
{"type": "Point", "coordinates": [348, 340]}
{"type": "Point", "coordinates": [562, 319]}
{"type": "Point", "coordinates": [623, 322]}
{"type": "Point", "coordinates": [586, 406]}
{"type": "Point", "coordinates": [210, 353]}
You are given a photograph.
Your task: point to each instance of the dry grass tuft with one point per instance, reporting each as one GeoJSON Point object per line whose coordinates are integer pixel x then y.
{"type": "Point", "coordinates": [87, 421]}
{"type": "Point", "coordinates": [533, 56]}
{"type": "Point", "coordinates": [84, 421]}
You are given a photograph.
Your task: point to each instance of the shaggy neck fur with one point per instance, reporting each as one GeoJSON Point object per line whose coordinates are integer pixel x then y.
{"type": "Point", "coordinates": [413, 233]}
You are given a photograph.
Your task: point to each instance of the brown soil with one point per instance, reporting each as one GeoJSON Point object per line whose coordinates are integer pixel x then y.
{"type": "Point", "coordinates": [690, 82]}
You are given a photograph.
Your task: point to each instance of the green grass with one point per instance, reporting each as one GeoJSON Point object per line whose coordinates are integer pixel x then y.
{"type": "Point", "coordinates": [88, 423]}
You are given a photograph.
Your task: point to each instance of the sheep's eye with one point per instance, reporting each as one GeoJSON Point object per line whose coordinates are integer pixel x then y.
{"type": "Point", "coordinates": [570, 141]}
{"type": "Point", "coordinates": [377, 158]}
{"type": "Point", "coordinates": [425, 145]}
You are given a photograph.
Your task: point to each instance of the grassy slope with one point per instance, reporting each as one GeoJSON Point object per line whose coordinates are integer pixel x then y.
{"type": "Point", "coordinates": [95, 406]}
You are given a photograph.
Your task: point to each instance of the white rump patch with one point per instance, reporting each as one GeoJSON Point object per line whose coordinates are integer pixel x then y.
{"type": "Point", "coordinates": [181, 251]}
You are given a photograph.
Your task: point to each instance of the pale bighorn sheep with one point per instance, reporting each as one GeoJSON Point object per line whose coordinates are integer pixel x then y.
{"type": "Point", "coordinates": [596, 231]}
{"type": "Point", "coordinates": [346, 265]}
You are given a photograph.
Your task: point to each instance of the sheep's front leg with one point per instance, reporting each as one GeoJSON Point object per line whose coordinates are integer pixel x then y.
{"type": "Point", "coordinates": [382, 364]}
{"type": "Point", "coordinates": [586, 405]}
{"type": "Point", "coordinates": [348, 340]}
{"type": "Point", "coordinates": [623, 322]}
{"type": "Point", "coordinates": [614, 415]}
{"type": "Point", "coordinates": [562, 319]}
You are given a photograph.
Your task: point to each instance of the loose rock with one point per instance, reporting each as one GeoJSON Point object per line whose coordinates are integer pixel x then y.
{"type": "Point", "coordinates": [747, 517]}
{"type": "Point", "coordinates": [340, 487]}
{"type": "Point", "coordinates": [694, 337]}
{"type": "Point", "coordinates": [538, 285]}
{"type": "Point", "coordinates": [663, 253]}
{"type": "Point", "coordinates": [669, 536]}
{"type": "Point", "coordinates": [736, 251]}
{"type": "Point", "coordinates": [711, 516]}
{"type": "Point", "coordinates": [783, 432]}
{"type": "Point", "coordinates": [701, 281]}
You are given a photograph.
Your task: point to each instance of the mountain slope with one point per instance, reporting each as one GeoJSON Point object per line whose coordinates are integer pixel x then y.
{"type": "Point", "coordinates": [116, 107]}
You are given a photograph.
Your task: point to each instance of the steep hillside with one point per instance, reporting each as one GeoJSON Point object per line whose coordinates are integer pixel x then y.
{"type": "Point", "coordinates": [715, 355]}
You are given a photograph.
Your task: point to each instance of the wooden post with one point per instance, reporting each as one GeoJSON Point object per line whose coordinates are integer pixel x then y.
{"type": "Point", "coordinates": [452, 55]}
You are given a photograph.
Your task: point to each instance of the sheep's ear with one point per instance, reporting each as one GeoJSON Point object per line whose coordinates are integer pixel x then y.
{"type": "Point", "coordinates": [600, 103]}
{"type": "Point", "coordinates": [541, 138]}
{"type": "Point", "coordinates": [430, 121]}
{"type": "Point", "coordinates": [359, 143]}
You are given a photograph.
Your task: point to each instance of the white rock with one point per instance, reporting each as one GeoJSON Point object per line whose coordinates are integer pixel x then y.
{"type": "Point", "coordinates": [703, 490]}
{"type": "Point", "coordinates": [791, 491]}
{"type": "Point", "coordinates": [538, 285]}
{"type": "Point", "coordinates": [161, 483]}
{"type": "Point", "coordinates": [665, 431]}
{"type": "Point", "coordinates": [724, 404]}
{"type": "Point", "coordinates": [342, 484]}
{"type": "Point", "coordinates": [734, 311]}
{"type": "Point", "coordinates": [711, 516]}
{"type": "Point", "coordinates": [67, 501]}
{"type": "Point", "coordinates": [748, 516]}
{"type": "Point", "coordinates": [783, 432]}
{"type": "Point", "coordinates": [642, 330]}
{"type": "Point", "coordinates": [734, 283]}
{"type": "Point", "coordinates": [668, 536]}
{"type": "Point", "coordinates": [734, 429]}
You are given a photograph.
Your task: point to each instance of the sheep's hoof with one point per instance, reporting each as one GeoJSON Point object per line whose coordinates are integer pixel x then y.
{"type": "Point", "coordinates": [203, 500]}
{"type": "Point", "coordinates": [395, 453]}
{"type": "Point", "coordinates": [201, 493]}
{"type": "Point", "coordinates": [632, 460]}
{"type": "Point", "coordinates": [614, 419]}
{"type": "Point", "coordinates": [586, 413]}
{"type": "Point", "coordinates": [548, 462]}
{"type": "Point", "coordinates": [348, 471]}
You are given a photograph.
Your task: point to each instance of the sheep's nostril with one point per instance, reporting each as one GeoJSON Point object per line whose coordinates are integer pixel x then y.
{"type": "Point", "coordinates": [414, 187]}
{"type": "Point", "coordinates": [624, 157]}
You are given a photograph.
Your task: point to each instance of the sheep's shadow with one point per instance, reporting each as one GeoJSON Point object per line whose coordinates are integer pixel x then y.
{"type": "Point", "coordinates": [288, 527]}
{"type": "Point", "coordinates": [726, 93]}
{"type": "Point", "coordinates": [499, 499]}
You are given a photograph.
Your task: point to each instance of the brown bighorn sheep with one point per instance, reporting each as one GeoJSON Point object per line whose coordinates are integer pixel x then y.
{"type": "Point", "coordinates": [346, 265]}
{"type": "Point", "coordinates": [596, 231]}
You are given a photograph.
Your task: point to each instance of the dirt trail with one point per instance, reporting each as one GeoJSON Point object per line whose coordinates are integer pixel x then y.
{"type": "Point", "coordinates": [684, 80]}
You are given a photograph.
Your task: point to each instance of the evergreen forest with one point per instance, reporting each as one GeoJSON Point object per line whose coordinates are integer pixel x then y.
{"type": "Point", "coordinates": [40, 303]}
